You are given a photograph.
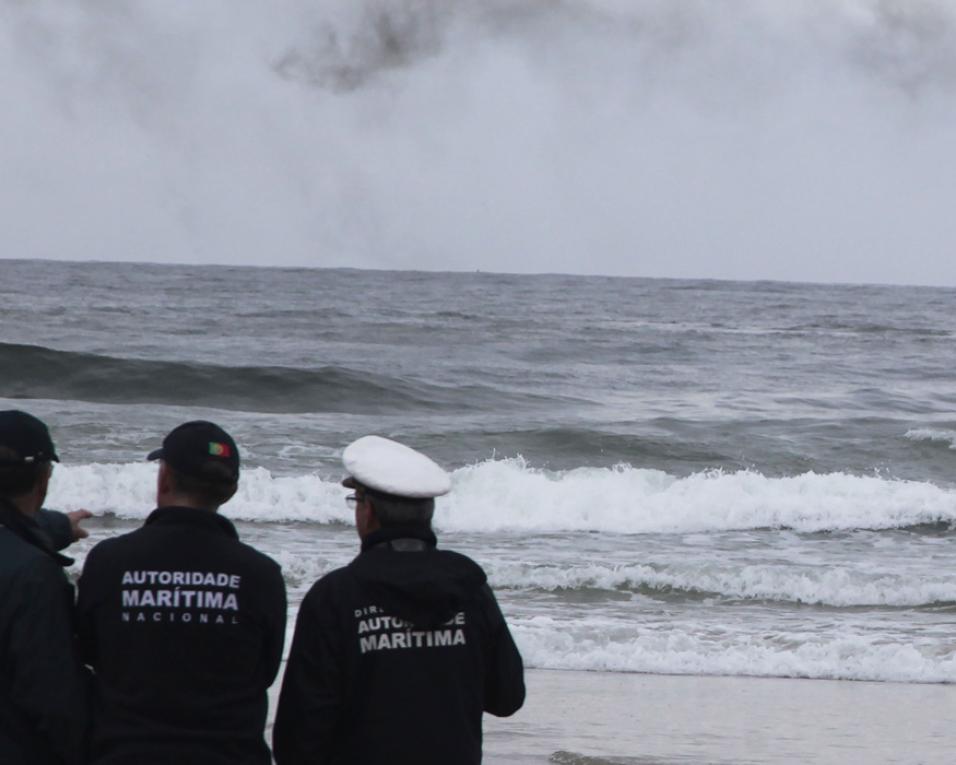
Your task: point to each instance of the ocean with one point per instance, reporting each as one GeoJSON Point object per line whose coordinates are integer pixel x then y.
{"type": "Point", "coordinates": [661, 477]}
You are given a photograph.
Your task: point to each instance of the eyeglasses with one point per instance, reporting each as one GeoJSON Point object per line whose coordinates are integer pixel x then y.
{"type": "Point", "coordinates": [352, 500]}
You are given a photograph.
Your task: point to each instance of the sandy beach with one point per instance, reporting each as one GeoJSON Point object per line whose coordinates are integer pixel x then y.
{"type": "Point", "coordinates": [589, 718]}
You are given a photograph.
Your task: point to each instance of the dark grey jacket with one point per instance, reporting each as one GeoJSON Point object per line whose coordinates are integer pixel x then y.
{"type": "Point", "coordinates": [42, 697]}
{"type": "Point", "coordinates": [183, 625]}
{"type": "Point", "coordinates": [395, 658]}
{"type": "Point", "coordinates": [56, 526]}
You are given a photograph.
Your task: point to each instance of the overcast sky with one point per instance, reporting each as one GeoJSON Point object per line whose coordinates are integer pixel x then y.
{"type": "Point", "coordinates": [801, 140]}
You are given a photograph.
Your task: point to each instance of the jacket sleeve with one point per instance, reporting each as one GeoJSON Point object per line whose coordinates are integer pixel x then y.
{"type": "Point", "coordinates": [277, 605]}
{"type": "Point", "coordinates": [86, 603]}
{"type": "Point", "coordinates": [504, 670]}
{"type": "Point", "coordinates": [56, 526]}
{"type": "Point", "coordinates": [311, 703]}
{"type": "Point", "coordinates": [46, 683]}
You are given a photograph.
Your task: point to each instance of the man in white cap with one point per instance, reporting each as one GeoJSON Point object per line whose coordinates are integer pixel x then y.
{"type": "Point", "coordinates": [396, 655]}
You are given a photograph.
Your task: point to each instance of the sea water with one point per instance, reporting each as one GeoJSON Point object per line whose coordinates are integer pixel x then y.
{"type": "Point", "coordinates": [680, 477]}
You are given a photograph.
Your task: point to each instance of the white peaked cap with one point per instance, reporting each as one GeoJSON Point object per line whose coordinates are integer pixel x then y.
{"type": "Point", "coordinates": [387, 466]}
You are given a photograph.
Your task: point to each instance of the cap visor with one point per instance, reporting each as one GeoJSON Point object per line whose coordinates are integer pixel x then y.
{"type": "Point", "coordinates": [156, 454]}
{"type": "Point", "coordinates": [350, 483]}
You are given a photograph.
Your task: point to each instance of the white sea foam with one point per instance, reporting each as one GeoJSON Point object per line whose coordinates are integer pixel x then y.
{"type": "Point", "coordinates": [829, 585]}
{"type": "Point", "coordinates": [622, 634]}
{"type": "Point", "coordinates": [929, 434]}
{"type": "Point", "coordinates": [508, 494]}
{"type": "Point", "coordinates": [498, 495]}
{"type": "Point", "coordinates": [129, 491]}
{"type": "Point", "coordinates": [300, 571]}
{"type": "Point", "coordinates": [549, 643]}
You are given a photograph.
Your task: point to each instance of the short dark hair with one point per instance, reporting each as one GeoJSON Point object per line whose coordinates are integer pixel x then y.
{"type": "Point", "coordinates": [214, 488]}
{"type": "Point", "coordinates": [20, 478]}
{"type": "Point", "coordinates": [401, 511]}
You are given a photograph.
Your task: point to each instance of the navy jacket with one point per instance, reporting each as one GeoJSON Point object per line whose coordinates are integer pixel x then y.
{"type": "Point", "coordinates": [395, 658]}
{"type": "Point", "coordinates": [42, 696]}
{"type": "Point", "coordinates": [183, 625]}
{"type": "Point", "coordinates": [57, 527]}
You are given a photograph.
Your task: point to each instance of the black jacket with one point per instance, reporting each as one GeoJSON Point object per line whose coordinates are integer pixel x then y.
{"type": "Point", "coordinates": [57, 527]}
{"type": "Point", "coordinates": [394, 659]}
{"type": "Point", "coordinates": [42, 697]}
{"type": "Point", "coordinates": [183, 626]}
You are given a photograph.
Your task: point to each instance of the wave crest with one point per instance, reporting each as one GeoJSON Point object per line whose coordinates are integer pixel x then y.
{"type": "Point", "coordinates": [507, 495]}
{"type": "Point", "coordinates": [31, 371]}
{"type": "Point", "coordinates": [947, 437]}
{"type": "Point", "coordinates": [831, 586]}
{"type": "Point", "coordinates": [552, 644]}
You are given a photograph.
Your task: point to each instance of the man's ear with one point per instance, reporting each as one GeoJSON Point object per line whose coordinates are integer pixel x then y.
{"type": "Point", "coordinates": [42, 485]}
{"type": "Point", "coordinates": [164, 484]}
{"type": "Point", "coordinates": [373, 523]}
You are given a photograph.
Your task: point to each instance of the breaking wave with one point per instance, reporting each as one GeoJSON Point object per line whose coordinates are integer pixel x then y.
{"type": "Point", "coordinates": [945, 437]}
{"type": "Point", "coordinates": [830, 586]}
{"type": "Point", "coordinates": [551, 643]}
{"type": "Point", "coordinates": [507, 495]}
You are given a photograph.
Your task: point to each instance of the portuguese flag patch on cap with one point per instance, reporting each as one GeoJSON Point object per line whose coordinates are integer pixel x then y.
{"type": "Point", "coordinates": [217, 449]}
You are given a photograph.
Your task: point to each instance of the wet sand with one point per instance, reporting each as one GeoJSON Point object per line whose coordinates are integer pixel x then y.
{"type": "Point", "coordinates": [589, 718]}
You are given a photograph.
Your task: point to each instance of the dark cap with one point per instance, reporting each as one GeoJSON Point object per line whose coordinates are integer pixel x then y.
{"type": "Point", "coordinates": [192, 446]}
{"type": "Point", "coordinates": [27, 437]}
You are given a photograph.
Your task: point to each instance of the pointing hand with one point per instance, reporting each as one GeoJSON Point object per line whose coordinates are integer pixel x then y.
{"type": "Point", "coordinates": [76, 518]}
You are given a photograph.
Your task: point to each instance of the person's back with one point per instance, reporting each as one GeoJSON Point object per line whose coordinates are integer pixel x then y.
{"type": "Point", "coordinates": [184, 626]}
{"type": "Point", "coordinates": [397, 655]}
{"type": "Point", "coordinates": [423, 651]}
{"type": "Point", "coordinates": [42, 699]}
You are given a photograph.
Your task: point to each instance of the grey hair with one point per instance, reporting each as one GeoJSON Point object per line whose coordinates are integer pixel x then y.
{"type": "Point", "coordinates": [401, 511]}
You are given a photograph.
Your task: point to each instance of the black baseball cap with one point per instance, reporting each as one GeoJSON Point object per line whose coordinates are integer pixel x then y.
{"type": "Point", "coordinates": [27, 437]}
{"type": "Point", "coordinates": [192, 446]}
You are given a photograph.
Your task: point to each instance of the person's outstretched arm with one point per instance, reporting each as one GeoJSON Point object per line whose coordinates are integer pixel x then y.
{"type": "Point", "coordinates": [63, 529]}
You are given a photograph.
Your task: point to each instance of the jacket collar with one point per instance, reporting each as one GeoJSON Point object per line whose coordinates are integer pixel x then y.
{"type": "Point", "coordinates": [383, 538]}
{"type": "Point", "coordinates": [192, 516]}
{"type": "Point", "coordinates": [25, 527]}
